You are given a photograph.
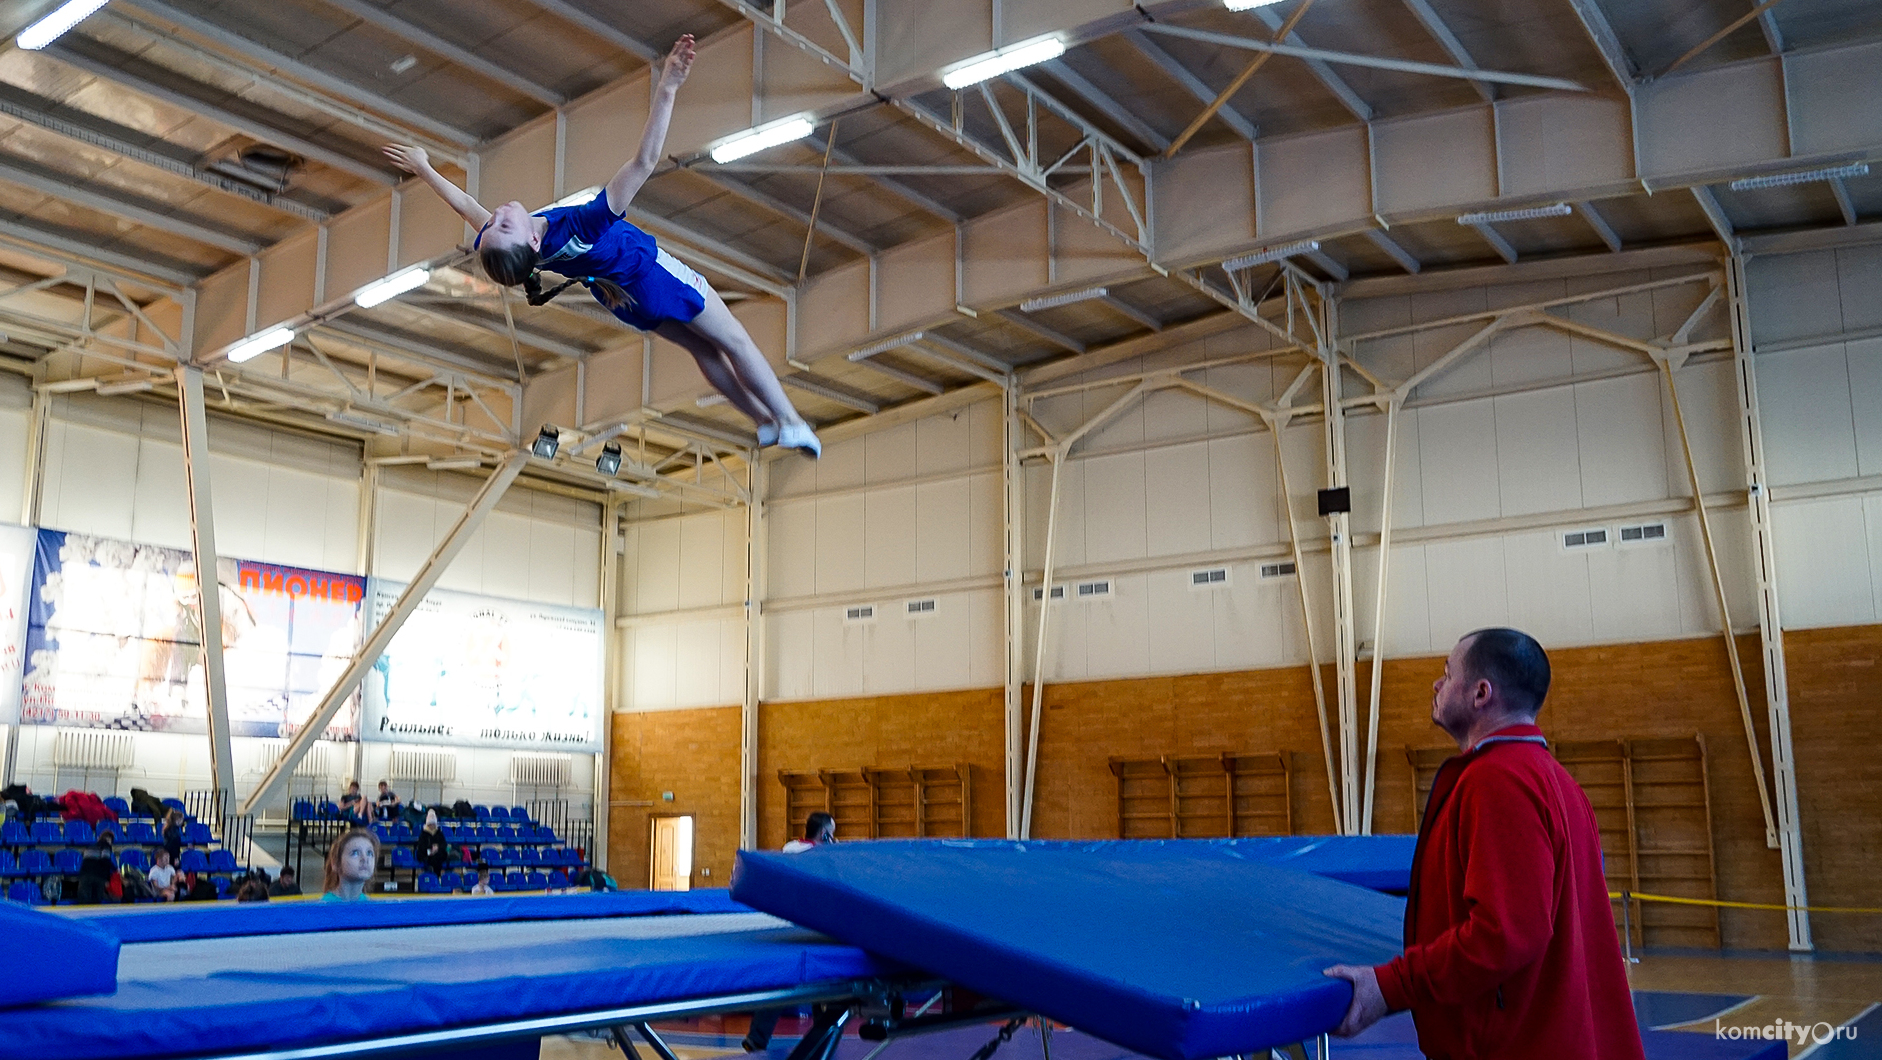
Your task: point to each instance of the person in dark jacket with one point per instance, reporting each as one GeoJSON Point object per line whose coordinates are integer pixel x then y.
{"type": "Point", "coordinates": [95, 872]}
{"type": "Point", "coordinates": [431, 846]}
{"type": "Point", "coordinates": [285, 884]}
{"type": "Point", "coordinates": [173, 836]}
{"type": "Point", "coordinates": [1510, 947]}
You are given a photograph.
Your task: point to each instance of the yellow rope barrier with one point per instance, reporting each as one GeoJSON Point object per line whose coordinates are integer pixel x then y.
{"type": "Point", "coordinates": [1742, 905]}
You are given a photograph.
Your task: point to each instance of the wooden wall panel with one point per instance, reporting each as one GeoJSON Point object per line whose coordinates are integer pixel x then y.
{"type": "Point", "coordinates": [694, 755]}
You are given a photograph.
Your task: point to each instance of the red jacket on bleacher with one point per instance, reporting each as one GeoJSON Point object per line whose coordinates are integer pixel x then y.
{"type": "Point", "coordinates": [1510, 947]}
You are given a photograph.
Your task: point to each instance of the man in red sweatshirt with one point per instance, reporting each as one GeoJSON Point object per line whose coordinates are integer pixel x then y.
{"type": "Point", "coordinates": [1510, 948]}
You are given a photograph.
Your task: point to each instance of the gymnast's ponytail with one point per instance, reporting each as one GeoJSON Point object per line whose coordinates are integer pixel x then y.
{"type": "Point", "coordinates": [532, 289]}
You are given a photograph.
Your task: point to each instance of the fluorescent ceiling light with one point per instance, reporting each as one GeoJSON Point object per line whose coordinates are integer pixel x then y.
{"type": "Point", "coordinates": [354, 419]}
{"type": "Point", "coordinates": [1783, 180]}
{"type": "Point", "coordinates": [1053, 301]}
{"type": "Point", "coordinates": [1263, 257]}
{"type": "Point", "coordinates": [1247, 5]}
{"type": "Point", "coordinates": [390, 287]}
{"type": "Point", "coordinates": [752, 141]}
{"type": "Point", "coordinates": [53, 26]}
{"type": "Point", "coordinates": [255, 345]}
{"type": "Point", "coordinates": [885, 346]}
{"type": "Point", "coordinates": [995, 63]}
{"type": "Point", "coordinates": [1560, 209]}
{"type": "Point", "coordinates": [575, 198]}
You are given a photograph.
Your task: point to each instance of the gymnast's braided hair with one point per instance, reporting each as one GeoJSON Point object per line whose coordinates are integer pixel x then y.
{"type": "Point", "coordinates": [516, 264]}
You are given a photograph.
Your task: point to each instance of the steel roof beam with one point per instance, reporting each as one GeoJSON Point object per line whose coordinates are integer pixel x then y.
{"type": "Point", "coordinates": [1773, 36]}
{"type": "Point", "coordinates": [1394, 251]}
{"type": "Point", "coordinates": [111, 68]}
{"type": "Point", "coordinates": [526, 337]}
{"type": "Point", "coordinates": [575, 16]}
{"type": "Point", "coordinates": [894, 187]}
{"type": "Point", "coordinates": [1110, 108]}
{"type": "Point", "coordinates": [1141, 316]}
{"type": "Point", "coordinates": [1600, 225]}
{"type": "Point", "coordinates": [742, 190]}
{"type": "Point", "coordinates": [1497, 242]}
{"type": "Point", "coordinates": [300, 71]}
{"type": "Point", "coordinates": [60, 247]}
{"type": "Point", "coordinates": [68, 188]}
{"type": "Point", "coordinates": [1843, 203]}
{"type": "Point", "coordinates": [1601, 34]}
{"type": "Point", "coordinates": [830, 390]}
{"type": "Point", "coordinates": [901, 375]}
{"type": "Point", "coordinates": [404, 345]}
{"type": "Point", "coordinates": [1334, 82]}
{"type": "Point", "coordinates": [1715, 215]}
{"type": "Point", "coordinates": [1376, 62]}
{"type": "Point", "coordinates": [1440, 32]}
{"type": "Point", "coordinates": [374, 15]}
{"type": "Point", "coordinates": [1051, 335]}
{"type": "Point", "coordinates": [1181, 74]}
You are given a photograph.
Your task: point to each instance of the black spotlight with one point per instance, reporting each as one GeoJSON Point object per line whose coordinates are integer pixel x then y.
{"type": "Point", "coordinates": [610, 459]}
{"type": "Point", "coordinates": [547, 442]}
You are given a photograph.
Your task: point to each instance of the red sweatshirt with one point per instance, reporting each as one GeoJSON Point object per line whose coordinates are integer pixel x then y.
{"type": "Point", "coordinates": [1510, 948]}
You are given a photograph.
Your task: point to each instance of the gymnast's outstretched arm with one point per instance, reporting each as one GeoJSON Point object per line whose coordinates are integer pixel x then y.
{"type": "Point", "coordinates": [415, 161]}
{"type": "Point", "coordinates": [666, 85]}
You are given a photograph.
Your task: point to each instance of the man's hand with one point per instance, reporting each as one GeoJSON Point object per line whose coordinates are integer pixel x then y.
{"type": "Point", "coordinates": [408, 159]}
{"type": "Point", "coordinates": [678, 63]}
{"type": "Point", "coordinates": [1368, 1005]}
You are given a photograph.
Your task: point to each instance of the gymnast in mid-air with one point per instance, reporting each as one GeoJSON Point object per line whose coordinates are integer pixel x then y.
{"type": "Point", "coordinates": [642, 285]}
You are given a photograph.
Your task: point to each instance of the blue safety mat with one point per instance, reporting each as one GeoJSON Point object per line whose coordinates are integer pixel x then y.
{"type": "Point", "coordinates": [1377, 862]}
{"type": "Point", "coordinates": [159, 923]}
{"type": "Point", "coordinates": [216, 996]}
{"type": "Point", "coordinates": [1173, 951]}
{"type": "Point", "coordinates": [50, 958]}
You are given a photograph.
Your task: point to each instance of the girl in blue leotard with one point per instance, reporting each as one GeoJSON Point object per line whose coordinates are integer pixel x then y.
{"type": "Point", "coordinates": [624, 269]}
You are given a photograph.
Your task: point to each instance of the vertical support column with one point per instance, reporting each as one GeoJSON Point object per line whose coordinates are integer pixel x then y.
{"type": "Point", "coordinates": [755, 546]}
{"type": "Point", "coordinates": [29, 516]}
{"type": "Point", "coordinates": [1345, 639]}
{"type": "Point", "coordinates": [1378, 615]}
{"type": "Point", "coordinates": [1039, 648]}
{"type": "Point", "coordinates": [610, 671]}
{"type": "Point", "coordinates": [189, 390]}
{"type": "Point", "coordinates": [1013, 507]}
{"type": "Point", "coordinates": [1770, 626]}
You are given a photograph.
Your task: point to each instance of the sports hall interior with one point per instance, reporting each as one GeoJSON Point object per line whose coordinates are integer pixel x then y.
{"type": "Point", "coordinates": [1185, 395]}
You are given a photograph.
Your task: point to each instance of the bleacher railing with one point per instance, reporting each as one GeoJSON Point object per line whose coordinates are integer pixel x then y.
{"type": "Point", "coordinates": [234, 831]}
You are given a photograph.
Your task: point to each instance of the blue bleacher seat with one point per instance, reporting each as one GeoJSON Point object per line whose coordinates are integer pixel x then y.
{"type": "Point", "coordinates": [48, 833]}
{"type": "Point", "coordinates": [118, 806]}
{"type": "Point", "coordinates": [518, 815]}
{"type": "Point", "coordinates": [559, 880]}
{"type": "Point", "coordinates": [402, 833]}
{"type": "Point", "coordinates": [198, 835]}
{"type": "Point", "coordinates": [8, 866]}
{"type": "Point", "coordinates": [428, 884]}
{"type": "Point", "coordinates": [111, 828]}
{"type": "Point", "coordinates": [79, 834]}
{"type": "Point", "coordinates": [491, 855]}
{"type": "Point", "coordinates": [175, 804]}
{"type": "Point", "coordinates": [506, 834]}
{"type": "Point", "coordinates": [450, 881]}
{"type": "Point", "coordinates": [303, 810]}
{"type": "Point", "coordinates": [499, 813]}
{"type": "Point", "coordinates": [402, 858]}
{"type": "Point", "coordinates": [221, 860]}
{"type": "Point", "coordinates": [193, 861]}
{"type": "Point", "coordinates": [536, 881]}
{"type": "Point", "coordinates": [528, 857]}
{"type": "Point", "coordinates": [384, 833]}
{"type": "Point", "coordinates": [514, 881]}
{"type": "Point", "coordinates": [546, 834]}
{"type": "Point", "coordinates": [453, 831]}
{"type": "Point", "coordinates": [329, 809]}
{"type": "Point", "coordinates": [66, 862]}
{"type": "Point", "coordinates": [223, 885]}
{"type": "Point", "coordinates": [487, 833]}
{"type": "Point", "coordinates": [15, 834]}
{"type": "Point", "coordinates": [35, 863]}
{"type": "Point", "coordinates": [141, 833]}
{"type": "Point", "coordinates": [482, 812]}
{"type": "Point", "coordinates": [26, 892]}
{"type": "Point", "coordinates": [134, 859]}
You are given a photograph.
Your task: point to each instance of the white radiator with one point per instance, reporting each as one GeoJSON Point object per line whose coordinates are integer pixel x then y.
{"type": "Point", "coordinates": [432, 767]}
{"type": "Point", "coordinates": [91, 749]}
{"type": "Point", "coordinates": [539, 771]}
{"type": "Point", "coordinates": [317, 762]}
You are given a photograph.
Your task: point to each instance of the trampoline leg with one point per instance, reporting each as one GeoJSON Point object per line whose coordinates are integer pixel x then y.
{"type": "Point", "coordinates": [659, 1044]}
{"type": "Point", "coordinates": [826, 1032]}
{"type": "Point", "coordinates": [1297, 1051]}
{"type": "Point", "coordinates": [627, 1044]}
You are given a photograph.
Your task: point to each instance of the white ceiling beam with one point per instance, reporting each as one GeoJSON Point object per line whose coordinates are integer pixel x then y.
{"type": "Point", "coordinates": [1333, 82]}
{"type": "Point", "coordinates": [1843, 202]}
{"type": "Point", "coordinates": [1497, 242]}
{"type": "Point", "coordinates": [62, 247]}
{"type": "Point", "coordinates": [1435, 25]}
{"type": "Point", "coordinates": [374, 15]}
{"type": "Point", "coordinates": [1715, 215]}
{"type": "Point", "coordinates": [1181, 75]}
{"type": "Point", "coordinates": [742, 190]}
{"type": "Point", "coordinates": [1141, 316]}
{"type": "Point", "coordinates": [68, 188]}
{"type": "Point", "coordinates": [894, 187]}
{"type": "Point", "coordinates": [1376, 62]}
{"type": "Point", "coordinates": [1600, 225]}
{"type": "Point", "coordinates": [1601, 33]}
{"type": "Point", "coordinates": [1394, 251]}
{"type": "Point", "coordinates": [1051, 335]}
{"type": "Point", "coordinates": [831, 390]}
{"type": "Point", "coordinates": [1110, 108]}
{"type": "Point", "coordinates": [621, 39]}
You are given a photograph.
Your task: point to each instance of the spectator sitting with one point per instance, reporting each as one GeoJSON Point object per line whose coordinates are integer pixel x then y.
{"type": "Point", "coordinates": [285, 884]}
{"type": "Point", "coordinates": [351, 863]}
{"type": "Point", "coordinates": [162, 878]}
{"type": "Point", "coordinates": [173, 836]}
{"type": "Point", "coordinates": [353, 805]}
{"type": "Point", "coordinates": [819, 828]}
{"type": "Point", "coordinates": [482, 886]}
{"type": "Point", "coordinates": [431, 847]}
{"type": "Point", "coordinates": [197, 887]}
{"type": "Point", "coordinates": [95, 873]}
{"type": "Point", "coordinates": [389, 803]}
{"type": "Point", "coordinates": [252, 890]}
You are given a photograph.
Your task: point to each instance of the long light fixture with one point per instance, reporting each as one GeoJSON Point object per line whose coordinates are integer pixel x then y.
{"type": "Point", "coordinates": [390, 287]}
{"type": "Point", "coordinates": [1810, 176]}
{"type": "Point", "coordinates": [1053, 301]}
{"type": "Point", "coordinates": [364, 423]}
{"type": "Point", "coordinates": [752, 141]}
{"type": "Point", "coordinates": [1560, 209]}
{"type": "Point", "coordinates": [1003, 60]}
{"type": "Point", "coordinates": [575, 198]}
{"type": "Point", "coordinates": [885, 346]}
{"type": "Point", "coordinates": [1247, 5]}
{"type": "Point", "coordinates": [1263, 257]}
{"type": "Point", "coordinates": [255, 345]}
{"type": "Point", "coordinates": [54, 26]}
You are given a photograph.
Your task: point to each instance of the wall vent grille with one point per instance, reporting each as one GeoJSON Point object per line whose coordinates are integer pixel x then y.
{"type": "Point", "coordinates": [1213, 578]}
{"type": "Point", "coordinates": [860, 613]}
{"type": "Point", "coordinates": [1278, 570]}
{"type": "Point", "coordinates": [1058, 593]}
{"type": "Point", "coordinates": [1094, 590]}
{"type": "Point", "coordinates": [1577, 539]}
{"type": "Point", "coordinates": [1644, 534]}
{"type": "Point", "coordinates": [917, 608]}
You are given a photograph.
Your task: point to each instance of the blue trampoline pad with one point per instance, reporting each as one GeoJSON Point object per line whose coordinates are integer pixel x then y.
{"type": "Point", "coordinates": [228, 995]}
{"type": "Point", "coordinates": [160, 923]}
{"type": "Point", "coordinates": [1170, 950]}
{"type": "Point", "coordinates": [1378, 862]}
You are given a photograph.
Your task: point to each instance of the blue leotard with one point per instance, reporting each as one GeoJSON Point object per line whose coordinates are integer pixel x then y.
{"type": "Point", "coordinates": [591, 240]}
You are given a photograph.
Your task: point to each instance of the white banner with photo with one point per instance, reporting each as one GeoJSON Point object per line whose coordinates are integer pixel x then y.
{"type": "Point", "coordinates": [479, 671]}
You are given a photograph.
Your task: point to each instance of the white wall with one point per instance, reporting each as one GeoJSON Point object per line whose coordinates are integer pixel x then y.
{"type": "Point", "coordinates": [16, 405]}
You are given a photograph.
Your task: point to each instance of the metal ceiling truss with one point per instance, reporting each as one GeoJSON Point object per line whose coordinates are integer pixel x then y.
{"type": "Point", "coordinates": [379, 17]}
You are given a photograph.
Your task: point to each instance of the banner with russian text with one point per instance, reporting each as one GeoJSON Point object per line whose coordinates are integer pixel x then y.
{"type": "Point", "coordinates": [479, 671]}
{"type": "Point", "coordinates": [16, 580]}
{"type": "Point", "coordinates": [114, 639]}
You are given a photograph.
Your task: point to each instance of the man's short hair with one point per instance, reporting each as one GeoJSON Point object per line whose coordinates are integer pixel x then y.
{"type": "Point", "coordinates": [1513, 663]}
{"type": "Point", "coordinates": [817, 824]}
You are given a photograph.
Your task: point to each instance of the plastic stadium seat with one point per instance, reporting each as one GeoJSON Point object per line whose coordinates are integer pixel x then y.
{"type": "Point", "coordinates": [518, 814]}
{"type": "Point", "coordinates": [193, 861]}
{"type": "Point", "coordinates": [402, 833]}
{"type": "Point", "coordinates": [48, 833]}
{"type": "Point", "coordinates": [482, 812]}
{"type": "Point", "coordinates": [506, 834]}
{"type": "Point", "coordinates": [453, 831]}
{"type": "Point", "coordinates": [26, 893]}
{"type": "Point", "coordinates": [67, 862]}
{"type": "Point", "coordinates": [303, 810]}
{"type": "Point", "coordinates": [514, 881]}
{"type": "Point", "coordinates": [529, 857]}
{"type": "Point", "coordinates": [111, 828]}
{"type": "Point", "coordinates": [198, 835]}
{"type": "Point", "coordinates": [500, 813]}
{"type": "Point", "coordinates": [141, 833]}
{"type": "Point", "coordinates": [559, 880]}
{"type": "Point", "coordinates": [402, 858]}
{"type": "Point", "coordinates": [428, 884]}
{"type": "Point", "coordinates": [487, 833]}
{"type": "Point", "coordinates": [329, 810]}
{"type": "Point", "coordinates": [118, 806]}
{"type": "Point", "coordinates": [8, 866]}
{"type": "Point", "coordinates": [384, 833]}
{"type": "Point", "coordinates": [175, 804]}
{"type": "Point", "coordinates": [547, 834]}
{"type": "Point", "coordinates": [536, 881]}
{"type": "Point", "coordinates": [223, 885]}
{"type": "Point", "coordinates": [15, 834]}
{"type": "Point", "coordinates": [35, 863]}
{"type": "Point", "coordinates": [221, 860]}
{"type": "Point", "coordinates": [491, 855]}
{"type": "Point", "coordinates": [450, 881]}
{"type": "Point", "coordinates": [79, 834]}
{"type": "Point", "coordinates": [134, 859]}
